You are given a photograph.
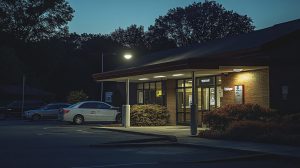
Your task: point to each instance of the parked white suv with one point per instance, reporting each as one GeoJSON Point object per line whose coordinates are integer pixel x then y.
{"type": "Point", "coordinates": [90, 111]}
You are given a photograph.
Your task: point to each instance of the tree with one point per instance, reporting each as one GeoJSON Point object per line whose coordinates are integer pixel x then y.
{"type": "Point", "coordinates": [198, 23]}
{"type": "Point", "coordinates": [131, 37]}
{"type": "Point", "coordinates": [77, 96]}
{"type": "Point", "coordinates": [35, 19]}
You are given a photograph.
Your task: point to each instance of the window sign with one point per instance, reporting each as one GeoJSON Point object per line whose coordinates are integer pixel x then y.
{"type": "Point", "coordinates": [239, 94]}
{"type": "Point", "coordinates": [205, 80]}
{"type": "Point", "coordinates": [228, 88]}
{"type": "Point", "coordinates": [190, 101]}
{"type": "Point", "coordinates": [108, 97]}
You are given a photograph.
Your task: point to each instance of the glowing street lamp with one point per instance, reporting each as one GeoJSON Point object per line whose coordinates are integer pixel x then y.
{"type": "Point", "coordinates": [127, 56]}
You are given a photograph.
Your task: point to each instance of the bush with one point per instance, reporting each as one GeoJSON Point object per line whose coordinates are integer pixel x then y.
{"type": "Point", "coordinates": [221, 118]}
{"type": "Point", "coordinates": [77, 96]}
{"type": "Point", "coordinates": [149, 115]}
{"type": "Point", "coordinates": [250, 130]}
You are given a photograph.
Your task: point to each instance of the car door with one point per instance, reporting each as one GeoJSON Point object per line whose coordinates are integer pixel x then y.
{"type": "Point", "coordinates": [50, 111]}
{"type": "Point", "coordinates": [105, 113]}
{"type": "Point", "coordinates": [89, 111]}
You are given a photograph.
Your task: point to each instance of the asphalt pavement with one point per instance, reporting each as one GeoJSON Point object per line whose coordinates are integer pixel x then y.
{"type": "Point", "coordinates": [55, 144]}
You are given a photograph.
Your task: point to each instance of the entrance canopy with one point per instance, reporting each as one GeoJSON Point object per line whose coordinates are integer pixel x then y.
{"type": "Point", "coordinates": [184, 73]}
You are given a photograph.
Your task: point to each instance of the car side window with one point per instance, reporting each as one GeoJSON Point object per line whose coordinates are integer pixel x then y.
{"type": "Point", "coordinates": [103, 106]}
{"type": "Point", "coordinates": [51, 107]}
{"type": "Point", "coordinates": [89, 105]}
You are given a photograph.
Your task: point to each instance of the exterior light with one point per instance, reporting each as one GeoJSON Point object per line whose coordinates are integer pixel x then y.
{"type": "Point", "coordinates": [237, 70]}
{"type": "Point", "coordinates": [144, 79]}
{"type": "Point", "coordinates": [177, 74]}
{"type": "Point", "coordinates": [127, 56]}
{"type": "Point", "coordinates": [159, 76]}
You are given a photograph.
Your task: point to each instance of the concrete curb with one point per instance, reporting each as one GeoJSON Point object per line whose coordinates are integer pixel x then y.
{"type": "Point", "coordinates": [169, 137]}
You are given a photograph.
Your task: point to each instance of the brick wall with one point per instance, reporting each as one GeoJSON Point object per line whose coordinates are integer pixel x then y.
{"type": "Point", "coordinates": [171, 100]}
{"type": "Point", "coordinates": [256, 87]}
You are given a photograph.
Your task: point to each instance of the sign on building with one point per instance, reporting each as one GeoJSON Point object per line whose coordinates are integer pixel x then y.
{"type": "Point", "coordinates": [108, 97]}
{"type": "Point", "coordinates": [239, 94]}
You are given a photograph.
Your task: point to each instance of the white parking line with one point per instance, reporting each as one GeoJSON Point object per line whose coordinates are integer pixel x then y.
{"type": "Point", "coordinates": [83, 131]}
{"type": "Point", "coordinates": [118, 165]}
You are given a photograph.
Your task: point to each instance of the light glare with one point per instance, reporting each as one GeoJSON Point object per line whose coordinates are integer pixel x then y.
{"type": "Point", "coordinates": [127, 56]}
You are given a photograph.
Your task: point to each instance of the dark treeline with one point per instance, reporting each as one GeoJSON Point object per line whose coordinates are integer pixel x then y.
{"type": "Point", "coordinates": [34, 40]}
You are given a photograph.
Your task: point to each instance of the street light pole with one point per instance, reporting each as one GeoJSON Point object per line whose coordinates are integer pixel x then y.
{"type": "Point", "coordinates": [101, 98]}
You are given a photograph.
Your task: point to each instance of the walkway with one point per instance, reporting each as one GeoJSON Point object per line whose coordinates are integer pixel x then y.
{"type": "Point", "coordinates": [182, 133]}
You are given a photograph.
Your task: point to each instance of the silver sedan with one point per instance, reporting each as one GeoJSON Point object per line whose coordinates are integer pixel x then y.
{"type": "Point", "coordinates": [48, 111]}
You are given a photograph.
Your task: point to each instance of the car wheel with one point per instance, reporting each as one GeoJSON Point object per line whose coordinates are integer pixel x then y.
{"type": "Point", "coordinates": [78, 120]}
{"type": "Point", "coordinates": [35, 117]}
{"type": "Point", "coordinates": [119, 119]}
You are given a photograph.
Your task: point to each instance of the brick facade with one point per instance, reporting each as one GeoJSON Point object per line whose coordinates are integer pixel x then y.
{"type": "Point", "coordinates": [171, 100]}
{"type": "Point", "coordinates": [256, 87]}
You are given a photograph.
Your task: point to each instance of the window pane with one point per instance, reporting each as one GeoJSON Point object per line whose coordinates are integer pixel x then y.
{"type": "Point", "coordinates": [180, 99]}
{"type": "Point", "coordinates": [205, 99]}
{"type": "Point", "coordinates": [89, 105]}
{"type": "Point", "coordinates": [159, 97]}
{"type": "Point", "coordinates": [103, 106]}
{"type": "Point", "coordinates": [146, 96]}
{"type": "Point", "coordinates": [140, 97]}
{"type": "Point", "coordinates": [188, 83]}
{"type": "Point", "coordinates": [146, 85]}
{"type": "Point", "coordinates": [151, 97]}
{"type": "Point", "coordinates": [140, 86]}
{"type": "Point", "coordinates": [152, 85]}
{"type": "Point", "coordinates": [180, 83]}
{"type": "Point", "coordinates": [158, 85]}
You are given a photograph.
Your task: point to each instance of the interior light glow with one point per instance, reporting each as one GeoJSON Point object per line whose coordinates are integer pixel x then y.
{"type": "Point", "coordinates": [237, 70]}
{"type": "Point", "coordinates": [159, 76]}
{"type": "Point", "coordinates": [177, 74]}
{"type": "Point", "coordinates": [144, 79]}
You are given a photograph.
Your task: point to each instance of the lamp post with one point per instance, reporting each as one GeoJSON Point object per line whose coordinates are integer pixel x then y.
{"type": "Point", "coordinates": [127, 56]}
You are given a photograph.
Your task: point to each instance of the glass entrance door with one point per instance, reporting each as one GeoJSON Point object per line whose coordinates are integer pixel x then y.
{"type": "Point", "coordinates": [206, 98]}
{"type": "Point", "coordinates": [184, 100]}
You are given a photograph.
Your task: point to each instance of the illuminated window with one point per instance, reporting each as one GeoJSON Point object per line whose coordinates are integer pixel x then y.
{"type": "Point", "coordinates": [150, 93]}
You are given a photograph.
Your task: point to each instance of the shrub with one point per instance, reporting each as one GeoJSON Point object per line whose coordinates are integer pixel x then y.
{"type": "Point", "coordinates": [149, 115]}
{"type": "Point", "coordinates": [77, 96]}
{"type": "Point", "coordinates": [221, 118]}
{"type": "Point", "coordinates": [250, 130]}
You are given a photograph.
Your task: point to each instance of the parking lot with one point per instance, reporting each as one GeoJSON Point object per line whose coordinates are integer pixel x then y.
{"type": "Point", "coordinates": [55, 144]}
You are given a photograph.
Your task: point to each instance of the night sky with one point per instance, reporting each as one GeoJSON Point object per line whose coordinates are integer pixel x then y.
{"type": "Point", "coordinates": [104, 16]}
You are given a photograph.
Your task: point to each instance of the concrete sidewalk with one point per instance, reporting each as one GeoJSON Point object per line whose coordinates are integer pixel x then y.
{"type": "Point", "coordinates": [182, 134]}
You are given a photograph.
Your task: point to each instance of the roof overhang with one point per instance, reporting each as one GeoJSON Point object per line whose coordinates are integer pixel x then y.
{"type": "Point", "coordinates": [211, 65]}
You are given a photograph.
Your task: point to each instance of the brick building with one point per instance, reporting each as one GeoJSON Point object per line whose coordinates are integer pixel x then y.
{"type": "Point", "coordinates": [260, 67]}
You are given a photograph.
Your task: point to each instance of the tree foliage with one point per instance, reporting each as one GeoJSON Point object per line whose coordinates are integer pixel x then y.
{"type": "Point", "coordinates": [77, 96]}
{"type": "Point", "coordinates": [131, 37]}
{"type": "Point", "coordinates": [198, 23]}
{"type": "Point", "coordinates": [35, 19]}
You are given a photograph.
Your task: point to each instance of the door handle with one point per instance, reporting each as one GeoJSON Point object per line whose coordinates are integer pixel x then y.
{"type": "Point", "coordinates": [93, 112]}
